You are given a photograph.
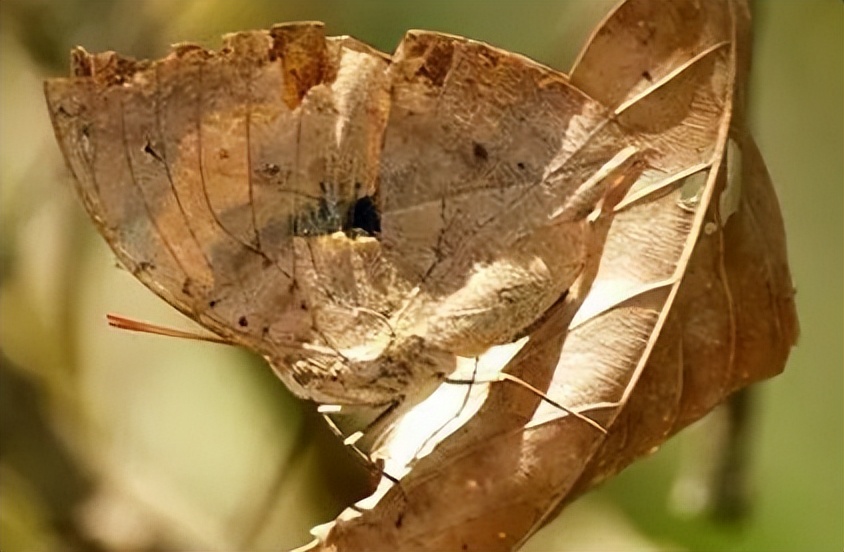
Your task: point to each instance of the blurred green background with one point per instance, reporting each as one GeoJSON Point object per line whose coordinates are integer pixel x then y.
{"type": "Point", "coordinates": [111, 441]}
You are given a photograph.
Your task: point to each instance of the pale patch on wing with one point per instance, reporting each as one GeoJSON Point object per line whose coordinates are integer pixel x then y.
{"type": "Point", "coordinates": [434, 419]}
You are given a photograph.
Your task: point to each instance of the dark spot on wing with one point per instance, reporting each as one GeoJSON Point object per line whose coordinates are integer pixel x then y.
{"type": "Point", "coordinates": [149, 150]}
{"type": "Point", "coordinates": [270, 169]}
{"type": "Point", "coordinates": [363, 215]}
{"type": "Point", "coordinates": [188, 287]}
{"type": "Point", "coordinates": [480, 152]}
{"type": "Point", "coordinates": [242, 322]}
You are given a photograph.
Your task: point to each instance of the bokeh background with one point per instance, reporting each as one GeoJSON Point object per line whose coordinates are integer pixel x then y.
{"type": "Point", "coordinates": [110, 440]}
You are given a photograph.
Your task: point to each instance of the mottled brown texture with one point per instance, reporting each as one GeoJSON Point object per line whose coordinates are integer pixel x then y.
{"type": "Point", "coordinates": [226, 182]}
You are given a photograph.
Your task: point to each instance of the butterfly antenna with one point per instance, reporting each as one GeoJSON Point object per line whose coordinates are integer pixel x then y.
{"type": "Point", "coordinates": [131, 325]}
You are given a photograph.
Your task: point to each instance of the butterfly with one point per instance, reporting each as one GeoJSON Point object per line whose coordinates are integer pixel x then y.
{"type": "Point", "coordinates": [360, 220]}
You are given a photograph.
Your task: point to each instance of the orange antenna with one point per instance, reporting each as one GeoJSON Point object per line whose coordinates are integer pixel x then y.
{"type": "Point", "coordinates": [145, 327]}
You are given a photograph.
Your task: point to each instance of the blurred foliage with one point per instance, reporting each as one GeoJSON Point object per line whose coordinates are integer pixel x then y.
{"type": "Point", "coordinates": [117, 441]}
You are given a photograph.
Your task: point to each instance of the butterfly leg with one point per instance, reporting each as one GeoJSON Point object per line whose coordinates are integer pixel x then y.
{"type": "Point", "coordinates": [351, 440]}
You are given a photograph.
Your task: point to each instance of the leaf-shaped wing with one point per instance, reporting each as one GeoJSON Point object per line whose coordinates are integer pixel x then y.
{"type": "Point", "coordinates": [481, 150]}
{"type": "Point", "coordinates": [200, 169]}
{"type": "Point", "coordinates": [356, 219]}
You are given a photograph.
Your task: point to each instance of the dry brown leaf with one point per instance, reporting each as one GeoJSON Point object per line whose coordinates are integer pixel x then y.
{"type": "Point", "coordinates": [373, 225]}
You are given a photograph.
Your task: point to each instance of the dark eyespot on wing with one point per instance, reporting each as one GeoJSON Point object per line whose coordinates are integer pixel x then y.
{"type": "Point", "coordinates": [363, 215]}
{"type": "Point", "coordinates": [480, 152]}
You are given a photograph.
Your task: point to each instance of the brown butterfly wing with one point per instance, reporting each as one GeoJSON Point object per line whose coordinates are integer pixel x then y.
{"type": "Point", "coordinates": [217, 176]}
{"type": "Point", "coordinates": [201, 168]}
